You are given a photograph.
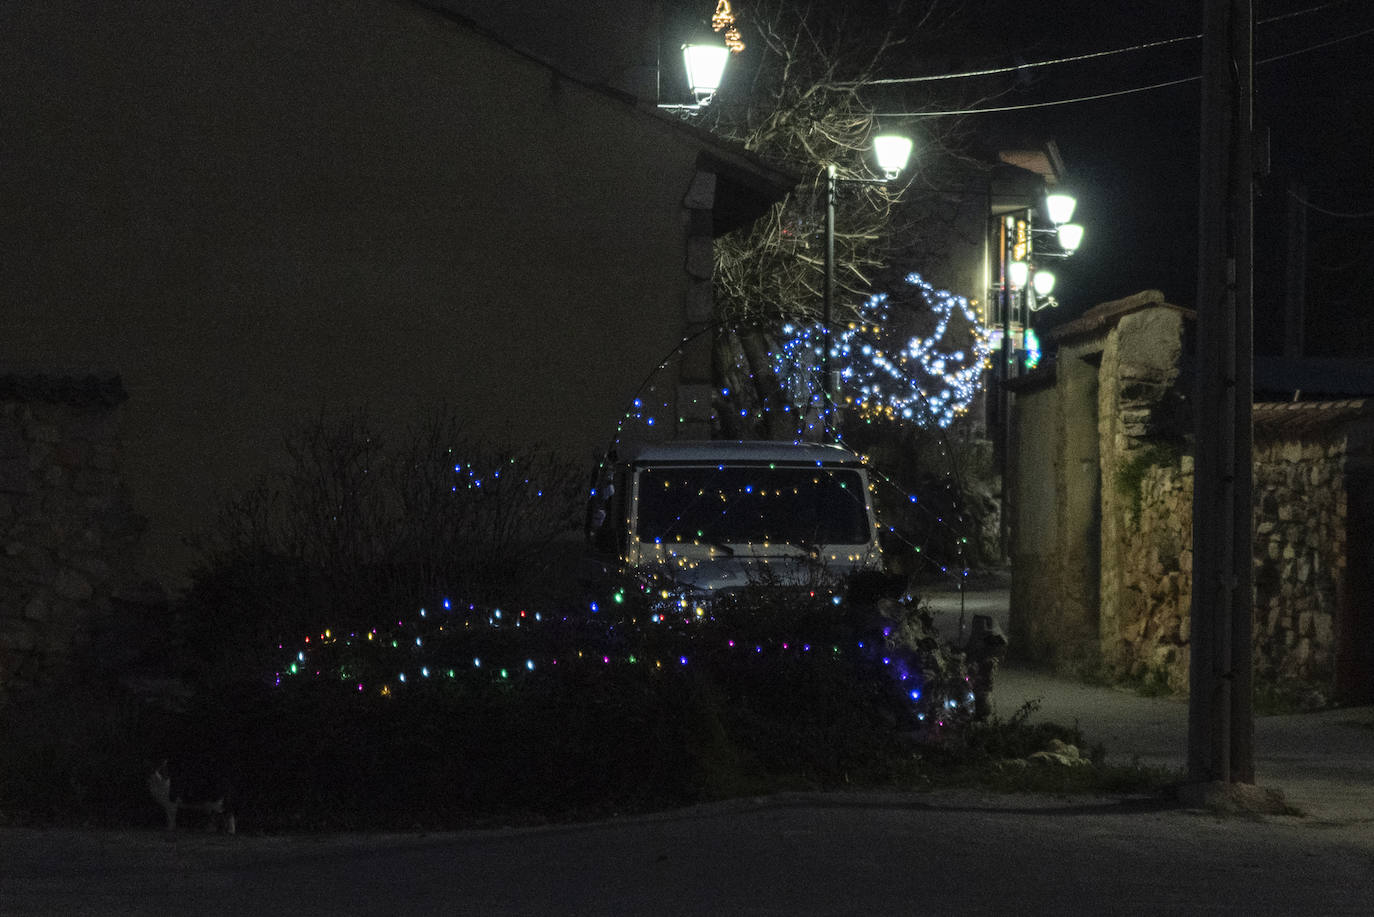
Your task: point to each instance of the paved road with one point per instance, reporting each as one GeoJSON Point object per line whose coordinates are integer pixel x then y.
{"type": "Point", "coordinates": [1323, 762]}
{"type": "Point", "coordinates": [947, 853]}
{"type": "Point", "coordinates": [860, 854]}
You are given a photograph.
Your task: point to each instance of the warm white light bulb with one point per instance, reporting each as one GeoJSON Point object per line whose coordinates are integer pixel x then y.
{"type": "Point", "coordinates": [1017, 272]}
{"type": "Point", "coordinates": [1070, 236]}
{"type": "Point", "coordinates": [705, 69]}
{"type": "Point", "coordinates": [1061, 207]}
{"type": "Point", "coordinates": [892, 152]}
{"type": "Point", "coordinates": [1044, 283]}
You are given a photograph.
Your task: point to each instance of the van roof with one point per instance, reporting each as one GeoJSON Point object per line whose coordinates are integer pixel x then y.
{"type": "Point", "coordinates": [743, 452]}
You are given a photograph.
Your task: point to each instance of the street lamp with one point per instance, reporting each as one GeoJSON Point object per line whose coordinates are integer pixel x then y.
{"type": "Point", "coordinates": [1070, 237]}
{"type": "Point", "coordinates": [1043, 284]}
{"type": "Point", "coordinates": [1015, 237]}
{"type": "Point", "coordinates": [1060, 207]}
{"type": "Point", "coordinates": [892, 152]}
{"type": "Point", "coordinates": [1024, 287]}
{"type": "Point", "coordinates": [1017, 272]}
{"type": "Point", "coordinates": [705, 69]}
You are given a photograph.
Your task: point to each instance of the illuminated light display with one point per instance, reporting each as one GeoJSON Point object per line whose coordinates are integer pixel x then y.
{"type": "Point", "coordinates": [410, 657]}
{"type": "Point", "coordinates": [724, 21]}
{"type": "Point", "coordinates": [918, 379]}
{"type": "Point", "coordinates": [953, 374]}
{"type": "Point", "coordinates": [929, 379]}
{"type": "Point", "coordinates": [1032, 347]}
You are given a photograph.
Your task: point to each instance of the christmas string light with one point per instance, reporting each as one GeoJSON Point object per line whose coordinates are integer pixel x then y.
{"type": "Point", "coordinates": [724, 21]}
{"type": "Point", "coordinates": [794, 356]}
{"type": "Point", "coordinates": [1032, 348]}
{"type": "Point", "coordinates": [921, 378]}
{"type": "Point", "coordinates": [926, 379]}
{"type": "Point", "coordinates": [428, 650]}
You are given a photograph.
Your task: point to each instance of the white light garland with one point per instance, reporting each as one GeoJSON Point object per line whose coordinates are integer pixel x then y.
{"type": "Point", "coordinates": [924, 380]}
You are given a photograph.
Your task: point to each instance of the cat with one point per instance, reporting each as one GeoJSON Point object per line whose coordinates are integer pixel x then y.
{"type": "Point", "coordinates": [219, 810]}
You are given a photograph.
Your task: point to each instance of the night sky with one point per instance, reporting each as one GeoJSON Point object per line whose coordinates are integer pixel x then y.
{"type": "Point", "coordinates": [1133, 159]}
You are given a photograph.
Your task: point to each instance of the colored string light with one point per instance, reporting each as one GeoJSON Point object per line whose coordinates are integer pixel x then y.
{"type": "Point", "coordinates": [367, 664]}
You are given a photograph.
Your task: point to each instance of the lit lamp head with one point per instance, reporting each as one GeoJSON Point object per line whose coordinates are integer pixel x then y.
{"type": "Point", "coordinates": [705, 69]}
{"type": "Point", "coordinates": [1060, 207]}
{"type": "Point", "coordinates": [1070, 236]}
{"type": "Point", "coordinates": [892, 152]}
{"type": "Point", "coordinates": [1043, 283]}
{"type": "Point", "coordinates": [1017, 272]}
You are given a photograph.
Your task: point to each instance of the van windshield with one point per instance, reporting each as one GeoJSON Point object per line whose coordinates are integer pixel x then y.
{"type": "Point", "coordinates": [807, 506]}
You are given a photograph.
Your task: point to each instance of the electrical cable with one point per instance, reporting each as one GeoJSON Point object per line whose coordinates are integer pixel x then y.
{"type": "Point", "coordinates": [1108, 95]}
{"type": "Point", "coordinates": [1363, 215]}
{"type": "Point", "coordinates": [1019, 67]}
{"type": "Point", "coordinates": [1026, 105]}
{"type": "Point", "coordinates": [1086, 56]}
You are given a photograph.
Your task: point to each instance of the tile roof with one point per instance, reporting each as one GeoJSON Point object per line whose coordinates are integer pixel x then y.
{"type": "Point", "coordinates": [1278, 420]}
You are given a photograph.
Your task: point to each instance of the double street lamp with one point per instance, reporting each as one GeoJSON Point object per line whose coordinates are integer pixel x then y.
{"type": "Point", "coordinates": [1021, 284]}
{"type": "Point", "coordinates": [892, 152]}
{"type": "Point", "coordinates": [1026, 288]}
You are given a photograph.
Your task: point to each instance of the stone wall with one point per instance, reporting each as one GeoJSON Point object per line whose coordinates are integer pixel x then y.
{"type": "Point", "coordinates": [1123, 607]}
{"type": "Point", "coordinates": [1137, 429]}
{"type": "Point", "coordinates": [67, 534]}
{"type": "Point", "coordinates": [1108, 408]}
{"type": "Point", "coordinates": [1300, 557]}
{"type": "Point", "coordinates": [1303, 459]}
{"type": "Point", "coordinates": [1155, 578]}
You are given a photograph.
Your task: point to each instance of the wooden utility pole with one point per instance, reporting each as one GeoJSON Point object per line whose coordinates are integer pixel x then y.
{"type": "Point", "coordinates": [1220, 714]}
{"type": "Point", "coordinates": [1004, 356]}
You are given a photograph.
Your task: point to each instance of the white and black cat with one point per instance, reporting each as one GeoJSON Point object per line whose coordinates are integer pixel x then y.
{"type": "Point", "coordinates": [214, 801]}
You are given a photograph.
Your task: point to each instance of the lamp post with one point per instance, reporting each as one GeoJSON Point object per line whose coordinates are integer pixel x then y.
{"type": "Point", "coordinates": [892, 152]}
{"type": "Point", "coordinates": [1024, 289]}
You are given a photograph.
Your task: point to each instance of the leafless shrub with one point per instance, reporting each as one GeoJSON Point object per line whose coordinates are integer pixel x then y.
{"type": "Point", "coordinates": [360, 525]}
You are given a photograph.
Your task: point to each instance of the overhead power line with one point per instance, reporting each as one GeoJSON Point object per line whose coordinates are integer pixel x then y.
{"type": "Point", "coordinates": [1043, 63]}
{"type": "Point", "coordinates": [1325, 44]}
{"type": "Point", "coordinates": [1089, 55]}
{"type": "Point", "coordinates": [1296, 13]}
{"type": "Point", "coordinates": [997, 108]}
{"type": "Point", "coordinates": [1119, 92]}
{"type": "Point", "coordinates": [1363, 215]}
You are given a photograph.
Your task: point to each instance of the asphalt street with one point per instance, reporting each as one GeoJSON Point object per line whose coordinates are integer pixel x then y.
{"type": "Point", "coordinates": [847, 853]}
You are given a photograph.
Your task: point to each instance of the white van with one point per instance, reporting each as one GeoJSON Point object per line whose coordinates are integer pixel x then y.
{"type": "Point", "coordinates": [713, 516]}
